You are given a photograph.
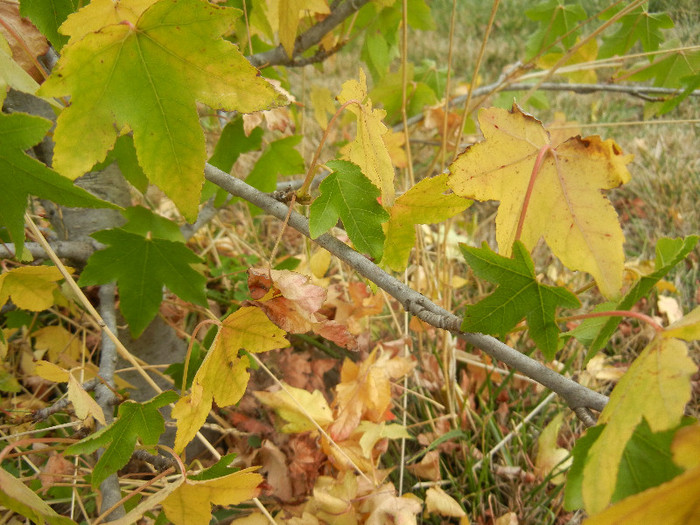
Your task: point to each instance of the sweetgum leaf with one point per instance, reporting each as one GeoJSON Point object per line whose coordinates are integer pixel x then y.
{"type": "Point", "coordinates": [48, 15]}
{"type": "Point", "coordinates": [144, 65]}
{"type": "Point", "coordinates": [519, 295]}
{"type": "Point", "coordinates": [556, 19]}
{"type": "Point", "coordinates": [135, 420]}
{"type": "Point", "coordinates": [655, 388]}
{"type": "Point", "coordinates": [548, 190]}
{"type": "Point", "coordinates": [141, 266]}
{"type": "Point", "coordinates": [21, 175]}
{"type": "Point", "coordinates": [348, 195]}
{"type": "Point", "coordinates": [637, 26]}
{"type": "Point", "coordinates": [425, 203]}
{"type": "Point", "coordinates": [19, 498]}
{"type": "Point", "coordinates": [669, 252]}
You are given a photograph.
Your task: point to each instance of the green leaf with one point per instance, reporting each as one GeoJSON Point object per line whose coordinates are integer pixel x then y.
{"type": "Point", "coordinates": [141, 266]}
{"type": "Point", "coordinates": [19, 498]}
{"type": "Point", "coordinates": [145, 67]}
{"type": "Point", "coordinates": [12, 74]}
{"type": "Point", "coordinates": [556, 18]}
{"type": "Point", "coordinates": [637, 26]}
{"type": "Point", "coordinates": [519, 295]}
{"type": "Point", "coordinates": [669, 252]}
{"type": "Point", "coordinates": [124, 153]}
{"type": "Point", "coordinates": [217, 470]}
{"type": "Point", "coordinates": [348, 195]}
{"type": "Point", "coordinates": [280, 158]}
{"type": "Point", "coordinates": [21, 175]}
{"type": "Point", "coordinates": [135, 420]}
{"type": "Point", "coordinates": [573, 494]}
{"type": "Point", "coordinates": [425, 203]}
{"type": "Point", "coordinates": [232, 142]}
{"type": "Point", "coordinates": [419, 15]}
{"type": "Point", "coordinates": [144, 222]}
{"type": "Point", "coordinates": [48, 15]}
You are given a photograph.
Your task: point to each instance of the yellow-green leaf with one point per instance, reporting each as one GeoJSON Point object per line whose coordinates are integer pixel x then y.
{"type": "Point", "coordinates": [190, 503]}
{"type": "Point", "coordinates": [30, 287]}
{"type": "Point", "coordinates": [687, 328]}
{"type": "Point", "coordinates": [223, 376]}
{"type": "Point", "coordinates": [286, 405]}
{"type": "Point", "coordinates": [143, 65]}
{"type": "Point", "coordinates": [686, 447]}
{"type": "Point", "coordinates": [561, 201]}
{"type": "Point", "coordinates": [656, 387]}
{"type": "Point", "coordinates": [289, 14]}
{"type": "Point", "coordinates": [19, 498]}
{"type": "Point", "coordinates": [368, 150]}
{"type": "Point", "coordinates": [425, 203]}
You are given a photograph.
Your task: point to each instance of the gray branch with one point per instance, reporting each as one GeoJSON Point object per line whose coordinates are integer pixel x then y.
{"type": "Point", "coordinates": [76, 251]}
{"type": "Point", "coordinates": [575, 395]}
{"type": "Point", "coordinates": [311, 37]}
{"type": "Point", "coordinates": [104, 396]}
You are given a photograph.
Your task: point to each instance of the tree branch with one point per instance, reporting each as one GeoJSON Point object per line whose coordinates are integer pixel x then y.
{"type": "Point", "coordinates": [75, 251]}
{"type": "Point", "coordinates": [311, 37]}
{"type": "Point", "coordinates": [575, 395]}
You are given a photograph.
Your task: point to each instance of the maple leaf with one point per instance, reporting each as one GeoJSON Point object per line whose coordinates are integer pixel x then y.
{"type": "Point", "coordinates": [12, 74]}
{"type": "Point", "coordinates": [424, 203]}
{"type": "Point", "coordinates": [519, 295]}
{"type": "Point", "coordinates": [587, 53]}
{"type": "Point", "coordinates": [437, 501]}
{"type": "Point", "coordinates": [30, 287]}
{"type": "Point", "coordinates": [135, 421]}
{"type": "Point", "coordinates": [546, 191]}
{"type": "Point", "coordinates": [368, 150]}
{"type": "Point", "coordinates": [289, 18]}
{"type": "Point", "coordinates": [686, 328]}
{"type": "Point", "coordinates": [141, 266]}
{"type": "Point", "coordinates": [557, 19]}
{"type": "Point", "coordinates": [656, 387]}
{"type": "Point", "coordinates": [348, 195]}
{"type": "Point", "coordinates": [21, 175]}
{"type": "Point", "coordinates": [549, 455]}
{"type": "Point", "coordinates": [286, 405]}
{"type": "Point", "coordinates": [190, 503]}
{"type": "Point", "coordinates": [19, 498]}
{"type": "Point", "coordinates": [293, 304]}
{"type": "Point", "coordinates": [143, 65]}
{"type": "Point", "coordinates": [48, 17]}
{"type": "Point", "coordinates": [223, 375]}
{"type": "Point", "coordinates": [364, 391]}
{"type": "Point", "coordinates": [669, 252]}
{"type": "Point", "coordinates": [639, 25]}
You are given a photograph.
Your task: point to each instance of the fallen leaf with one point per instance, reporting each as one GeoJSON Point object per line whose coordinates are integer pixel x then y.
{"type": "Point", "coordinates": [437, 501]}
{"type": "Point", "coordinates": [669, 307]}
{"type": "Point", "coordinates": [30, 287]}
{"type": "Point", "coordinates": [17, 497]}
{"type": "Point", "coordinates": [428, 468]}
{"type": "Point", "coordinates": [32, 45]}
{"type": "Point", "coordinates": [549, 455]}
{"type": "Point", "coordinates": [288, 404]}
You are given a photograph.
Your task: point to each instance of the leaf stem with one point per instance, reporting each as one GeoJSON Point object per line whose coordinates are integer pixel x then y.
{"type": "Point", "coordinates": [618, 313]}
{"type": "Point", "coordinates": [303, 195]}
{"type": "Point", "coordinates": [533, 177]}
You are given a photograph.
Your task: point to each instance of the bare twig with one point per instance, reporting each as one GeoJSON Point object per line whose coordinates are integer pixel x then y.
{"type": "Point", "coordinates": [311, 37]}
{"type": "Point", "coordinates": [75, 251]}
{"type": "Point", "coordinates": [573, 393]}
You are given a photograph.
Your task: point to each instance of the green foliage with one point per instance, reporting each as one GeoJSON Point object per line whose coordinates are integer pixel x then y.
{"type": "Point", "coordinates": [21, 175]}
{"type": "Point", "coordinates": [639, 25]}
{"type": "Point", "coordinates": [48, 15]}
{"type": "Point", "coordinates": [348, 195]}
{"type": "Point", "coordinates": [557, 20]}
{"type": "Point", "coordinates": [141, 265]}
{"type": "Point", "coordinates": [519, 296]}
{"type": "Point", "coordinates": [140, 421]}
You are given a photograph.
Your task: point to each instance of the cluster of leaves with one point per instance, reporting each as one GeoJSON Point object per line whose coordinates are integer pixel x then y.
{"type": "Point", "coordinates": [135, 72]}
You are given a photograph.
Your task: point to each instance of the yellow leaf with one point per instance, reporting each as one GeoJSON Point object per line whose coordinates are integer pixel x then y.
{"type": "Point", "coordinates": [587, 53]}
{"type": "Point", "coordinates": [289, 14]}
{"type": "Point", "coordinates": [83, 403]}
{"type": "Point", "coordinates": [368, 150]}
{"type": "Point", "coordinates": [320, 262]}
{"type": "Point", "coordinates": [686, 447]}
{"type": "Point", "coordinates": [323, 104]}
{"type": "Point", "coordinates": [437, 501]}
{"type": "Point", "coordinates": [146, 504]}
{"type": "Point", "coordinates": [565, 205]}
{"type": "Point", "coordinates": [190, 503]}
{"type": "Point", "coordinates": [673, 503]}
{"type": "Point", "coordinates": [31, 287]}
{"type": "Point", "coordinates": [424, 203]}
{"type": "Point", "coordinates": [549, 455]}
{"type": "Point", "coordinates": [223, 376]}
{"type": "Point", "coordinates": [364, 391]}
{"type": "Point", "coordinates": [314, 404]}
{"type": "Point", "coordinates": [687, 328]}
{"type": "Point", "coordinates": [372, 433]}
{"type": "Point", "coordinates": [61, 345]}
{"type": "Point", "coordinates": [52, 372]}
{"type": "Point", "coordinates": [656, 387]}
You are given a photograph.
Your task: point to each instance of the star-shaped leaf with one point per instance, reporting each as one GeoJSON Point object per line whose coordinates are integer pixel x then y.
{"type": "Point", "coordinates": [637, 26]}
{"type": "Point", "coordinates": [143, 65]}
{"type": "Point", "coordinates": [141, 266]}
{"type": "Point", "coordinates": [30, 287]}
{"type": "Point", "coordinates": [424, 203]}
{"type": "Point", "coordinates": [547, 190]}
{"type": "Point", "coordinates": [223, 376]}
{"type": "Point", "coordinates": [21, 175]}
{"type": "Point", "coordinates": [135, 421]}
{"type": "Point", "coordinates": [348, 195]}
{"type": "Point", "coordinates": [519, 296]}
{"type": "Point", "coordinates": [557, 19]}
